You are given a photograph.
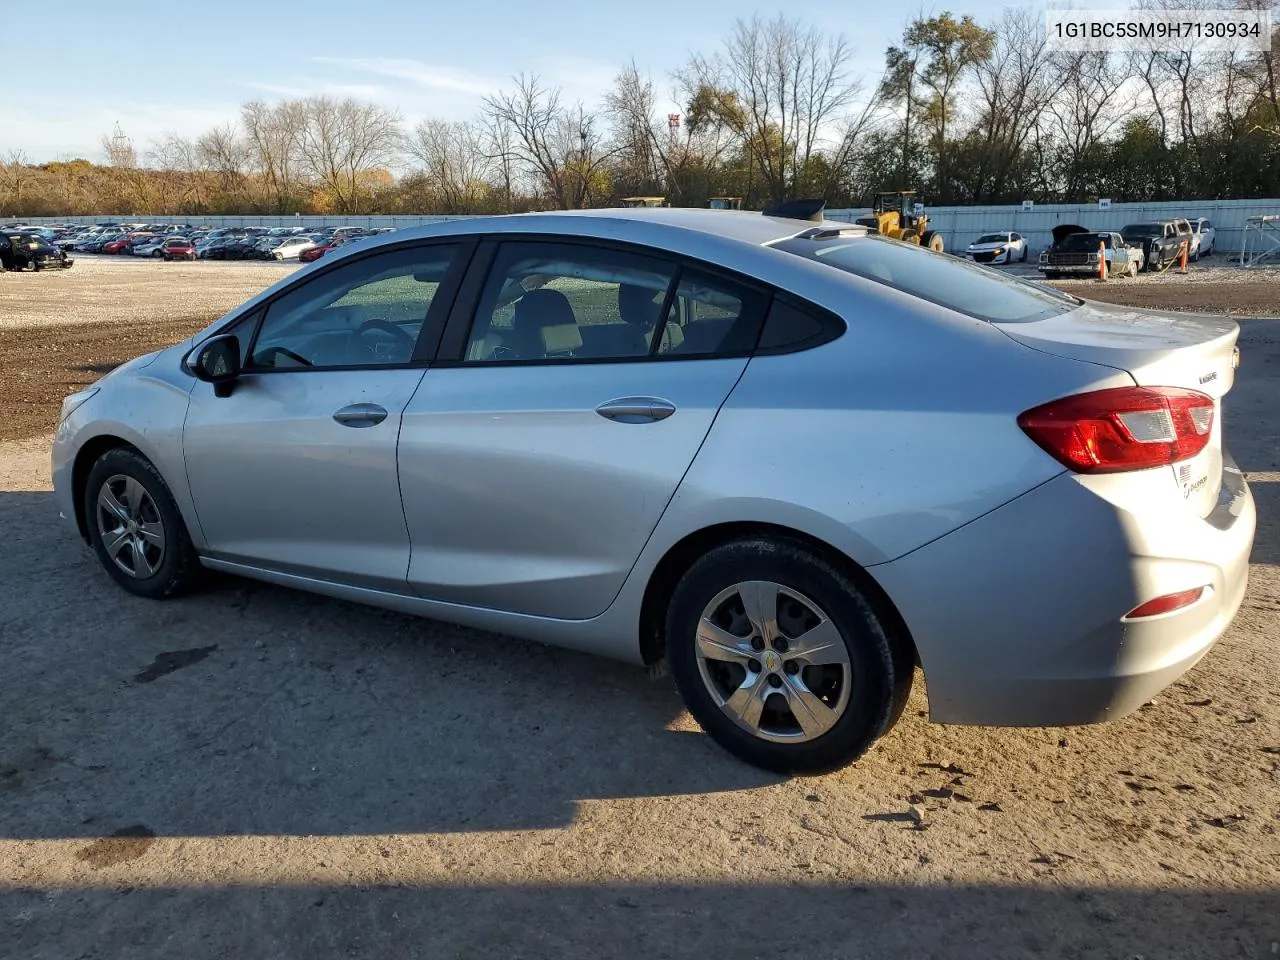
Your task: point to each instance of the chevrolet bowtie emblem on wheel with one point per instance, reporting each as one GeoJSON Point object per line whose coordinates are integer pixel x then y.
{"type": "Point", "coordinates": [772, 662]}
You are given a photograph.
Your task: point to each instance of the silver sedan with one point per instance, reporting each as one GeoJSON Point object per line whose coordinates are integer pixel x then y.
{"type": "Point", "coordinates": [788, 459]}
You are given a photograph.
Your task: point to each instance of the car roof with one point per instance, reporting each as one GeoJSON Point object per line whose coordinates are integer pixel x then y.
{"type": "Point", "coordinates": [643, 224]}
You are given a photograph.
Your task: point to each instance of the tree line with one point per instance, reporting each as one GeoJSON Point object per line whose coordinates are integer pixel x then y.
{"type": "Point", "coordinates": [964, 113]}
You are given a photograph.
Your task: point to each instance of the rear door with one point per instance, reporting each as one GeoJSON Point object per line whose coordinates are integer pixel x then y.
{"type": "Point", "coordinates": [540, 452]}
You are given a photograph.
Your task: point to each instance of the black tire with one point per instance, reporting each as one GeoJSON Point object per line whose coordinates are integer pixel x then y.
{"type": "Point", "coordinates": [1025, 251]}
{"type": "Point", "coordinates": [882, 666]}
{"type": "Point", "coordinates": [932, 240]}
{"type": "Point", "coordinates": [1155, 261]}
{"type": "Point", "coordinates": [178, 567]}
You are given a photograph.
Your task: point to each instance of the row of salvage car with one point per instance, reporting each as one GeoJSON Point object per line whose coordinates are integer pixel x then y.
{"type": "Point", "coordinates": [1077, 251]}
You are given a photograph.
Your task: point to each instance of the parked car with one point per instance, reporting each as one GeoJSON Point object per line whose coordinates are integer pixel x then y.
{"type": "Point", "coordinates": [684, 473]}
{"type": "Point", "coordinates": [1075, 252]}
{"type": "Point", "coordinates": [290, 247]}
{"type": "Point", "coordinates": [1203, 235]}
{"type": "Point", "coordinates": [320, 249]}
{"type": "Point", "coordinates": [216, 248]}
{"type": "Point", "coordinates": [27, 251]}
{"type": "Point", "coordinates": [1160, 240]}
{"type": "Point", "coordinates": [997, 248]}
{"type": "Point", "coordinates": [150, 247]}
{"type": "Point", "coordinates": [178, 248]}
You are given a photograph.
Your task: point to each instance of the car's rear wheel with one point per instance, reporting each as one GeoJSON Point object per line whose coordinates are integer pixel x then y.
{"type": "Point", "coordinates": [782, 657]}
{"type": "Point", "coordinates": [135, 527]}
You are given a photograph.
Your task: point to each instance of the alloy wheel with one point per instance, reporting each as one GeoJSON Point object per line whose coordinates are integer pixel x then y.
{"type": "Point", "coordinates": [773, 661]}
{"type": "Point", "coordinates": [130, 526]}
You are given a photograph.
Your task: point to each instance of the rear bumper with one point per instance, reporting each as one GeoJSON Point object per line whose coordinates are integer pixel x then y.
{"type": "Point", "coordinates": [1018, 616]}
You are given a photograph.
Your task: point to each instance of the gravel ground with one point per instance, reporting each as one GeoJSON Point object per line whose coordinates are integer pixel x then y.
{"type": "Point", "coordinates": [256, 772]}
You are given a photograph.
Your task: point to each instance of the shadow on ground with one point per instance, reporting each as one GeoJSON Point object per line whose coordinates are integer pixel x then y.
{"type": "Point", "coordinates": [767, 920]}
{"type": "Point", "coordinates": [250, 709]}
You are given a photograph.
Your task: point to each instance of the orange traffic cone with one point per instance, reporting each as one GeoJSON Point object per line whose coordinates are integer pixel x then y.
{"type": "Point", "coordinates": [1102, 260]}
{"type": "Point", "coordinates": [1182, 258]}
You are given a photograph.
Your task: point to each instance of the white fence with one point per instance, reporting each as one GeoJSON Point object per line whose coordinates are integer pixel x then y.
{"type": "Point", "coordinates": [959, 226]}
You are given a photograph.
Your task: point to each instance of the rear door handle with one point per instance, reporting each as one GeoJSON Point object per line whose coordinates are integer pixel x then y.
{"type": "Point", "coordinates": [636, 409]}
{"type": "Point", "coordinates": [361, 415]}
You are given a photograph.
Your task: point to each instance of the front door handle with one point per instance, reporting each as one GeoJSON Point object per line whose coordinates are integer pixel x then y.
{"type": "Point", "coordinates": [636, 409]}
{"type": "Point", "coordinates": [360, 415]}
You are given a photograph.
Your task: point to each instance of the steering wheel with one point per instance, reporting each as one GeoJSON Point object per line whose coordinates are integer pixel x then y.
{"type": "Point", "coordinates": [385, 326]}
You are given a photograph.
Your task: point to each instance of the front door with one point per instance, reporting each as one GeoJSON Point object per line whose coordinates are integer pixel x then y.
{"type": "Point", "coordinates": [296, 469]}
{"type": "Point", "coordinates": [536, 464]}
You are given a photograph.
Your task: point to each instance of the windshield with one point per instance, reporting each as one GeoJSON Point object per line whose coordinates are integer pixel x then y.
{"type": "Point", "coordinates": [993, 238]}
{"type": "Point", "coordinates": [1138, 231]}
{"type": "Point", "coordinates": [939, 278]}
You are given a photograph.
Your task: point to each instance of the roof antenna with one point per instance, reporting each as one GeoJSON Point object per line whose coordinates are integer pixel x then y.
{"type": "Point", "coordinates": [806, 209]}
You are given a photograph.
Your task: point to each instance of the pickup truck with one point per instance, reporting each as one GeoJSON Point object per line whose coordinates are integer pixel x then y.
{"type": "Point", "coordinates": [1161, 240]}
{"type": "Point", "coordinates": [1074, 252]}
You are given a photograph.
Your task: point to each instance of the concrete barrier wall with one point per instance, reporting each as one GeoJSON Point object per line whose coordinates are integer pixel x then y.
{"type": "Point", "coordinates": [959, 226]}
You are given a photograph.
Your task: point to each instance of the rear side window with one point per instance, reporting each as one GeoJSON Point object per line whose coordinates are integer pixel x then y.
{"type": "Point", "coordinates": [936, 277]}
{"type": "Point", "coordinates": [711, 316]}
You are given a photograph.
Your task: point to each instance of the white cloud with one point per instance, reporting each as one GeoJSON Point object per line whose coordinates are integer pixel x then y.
{"type": "Point", "coordinates": [430, 76]}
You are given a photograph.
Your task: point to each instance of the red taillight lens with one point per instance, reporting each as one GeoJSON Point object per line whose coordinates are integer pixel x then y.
{"type": "Point", "coordinates": [1166, 604]}
{"type": "Point", "coordinates": [1123, 428]}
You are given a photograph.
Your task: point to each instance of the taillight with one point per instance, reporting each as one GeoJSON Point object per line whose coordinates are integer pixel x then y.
{"type": "Point", "coordinates": [1123, 428]}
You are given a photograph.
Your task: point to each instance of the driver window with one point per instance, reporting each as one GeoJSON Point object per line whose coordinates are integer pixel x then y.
{"type": "Point", "coordinates": [365, 313]}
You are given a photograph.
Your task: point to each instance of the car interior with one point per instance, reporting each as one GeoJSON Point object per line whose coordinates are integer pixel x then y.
{"type": "Point", "coordinates": [334, 324]}
{"type": "Point", "coordinates": [550, 310]}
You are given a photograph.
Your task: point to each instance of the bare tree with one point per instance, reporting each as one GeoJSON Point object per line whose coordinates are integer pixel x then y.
{"type": "Point", "coordinates": [788, 84]}
{"type": "Point", "coordinates": [343, 141]}
{"type": "Point", "coordinates": [561, 147]}
{"type": "Point", "coordinates": [180, 158]}
{"type": "Point", "coordinates": [274, 136]}
{"type": "Point", "coordinates": [15, 174]}
{"type": "Point", "coordinates": [631, 106]}
{"type": "Point", "coordinates": [223, 152]}
{"type": "Point", "coordinates": [1014, 85]}
{"type": "Point", "coordinates": [1086, 107]}
{"type": "Point", "coordinates": [454, 163]}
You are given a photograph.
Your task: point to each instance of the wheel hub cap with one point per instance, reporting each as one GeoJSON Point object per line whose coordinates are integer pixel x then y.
{"type": "Point", "coordinates": [773, 662]}
{"type": "Point", "coordinates": [130, 527]}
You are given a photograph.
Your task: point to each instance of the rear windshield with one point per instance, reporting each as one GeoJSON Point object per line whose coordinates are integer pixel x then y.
{"type": "Point", "coordinates": [936, 277]}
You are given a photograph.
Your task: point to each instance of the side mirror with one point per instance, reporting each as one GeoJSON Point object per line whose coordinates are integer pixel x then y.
{"type": "Point", "coordinates": [217, 361]}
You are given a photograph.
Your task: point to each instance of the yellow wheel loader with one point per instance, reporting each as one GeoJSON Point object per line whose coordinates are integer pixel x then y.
{"type": "Point", "coordinates": [893, 214]}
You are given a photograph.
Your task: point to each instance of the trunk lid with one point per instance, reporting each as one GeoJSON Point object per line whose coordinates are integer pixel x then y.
{"type": "Point", "coordinates": [1158, 349]}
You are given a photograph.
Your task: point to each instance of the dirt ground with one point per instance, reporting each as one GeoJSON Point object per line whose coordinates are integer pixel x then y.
{"type": "Point", "coordinates": [254, 772]}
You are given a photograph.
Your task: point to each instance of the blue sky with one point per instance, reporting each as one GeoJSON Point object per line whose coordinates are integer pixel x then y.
{"type": "Point", "coordinates": [155, 67]}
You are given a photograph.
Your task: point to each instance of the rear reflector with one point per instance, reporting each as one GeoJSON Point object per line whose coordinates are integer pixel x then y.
{"type": "Point", "coordinates": [1166, 604]}
{"type": "Point", "coordinates": [1123, 428]}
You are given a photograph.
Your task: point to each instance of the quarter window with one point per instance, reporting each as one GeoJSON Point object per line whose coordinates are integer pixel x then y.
{"type": "Point", "coordinates": [365, 313]}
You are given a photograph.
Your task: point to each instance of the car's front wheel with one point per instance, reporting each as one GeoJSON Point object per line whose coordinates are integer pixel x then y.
{"type": "Point", "coordinates": [782, 658]}
{"type": "Point", "coordinates": [135, 527]}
